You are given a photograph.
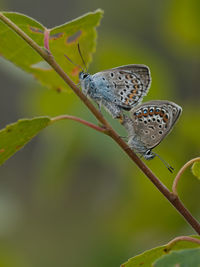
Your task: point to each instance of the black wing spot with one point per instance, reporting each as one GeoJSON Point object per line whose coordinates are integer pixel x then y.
{"type": "Point", "coordinates": [111, 74]}
{"type": "Point", "coordinates": [119, 77]}
{"type": "Point", "coordinates": [151, 127]}
{"type": "Point", "coordinates": [103, 78]}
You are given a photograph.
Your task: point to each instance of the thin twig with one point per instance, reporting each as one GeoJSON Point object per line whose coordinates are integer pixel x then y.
{"type": "Point", "coordinates": [46, 38]}
{"type": "Point", "coordinates": [182, 170]}
{"type": "Point", "coordinates": [87, 123]}
{"type": "Point", "coordinates": [174, 200]}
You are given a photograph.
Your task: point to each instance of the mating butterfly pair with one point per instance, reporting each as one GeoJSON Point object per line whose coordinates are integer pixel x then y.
{"type": "Point", "coordinates": [124, 88]}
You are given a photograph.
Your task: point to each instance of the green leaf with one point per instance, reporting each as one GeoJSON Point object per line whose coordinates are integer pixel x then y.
{"type": "Point", "coordinates": [63, 40]}
{"type": "Point", "coordinates": [147, 258]}
{"type": "Point", "coordinates": [182, 258]}
{"type": "Point", "coordinates": [16, 135]}
{"type": "Point", "coordinates": [196, 169]}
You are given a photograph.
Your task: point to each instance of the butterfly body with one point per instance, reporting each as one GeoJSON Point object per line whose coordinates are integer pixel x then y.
{"type": "Point", "coordinates": [149, 123]}
{"type": "Point", "coordinates": [118, 88]}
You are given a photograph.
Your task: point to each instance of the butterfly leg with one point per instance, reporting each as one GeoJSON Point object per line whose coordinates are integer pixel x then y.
{"type": "Point", "coordinates": [128, 124]}
{"type": "Point", "coordinates": [99, 103]}
{"type": "Point", "coordinates": [86, 92]}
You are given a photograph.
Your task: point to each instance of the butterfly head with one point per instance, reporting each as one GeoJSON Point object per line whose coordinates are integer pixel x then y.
{"type": "Point", "coordinates": [149, 154]}
{"type": "Point", "coordinates": [83, 75]}
{"type": "Point", "coordinates": [85, 81]}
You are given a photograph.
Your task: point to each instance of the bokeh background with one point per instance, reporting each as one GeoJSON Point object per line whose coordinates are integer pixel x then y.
{"type": "Point", "coordinates": [71, 197]}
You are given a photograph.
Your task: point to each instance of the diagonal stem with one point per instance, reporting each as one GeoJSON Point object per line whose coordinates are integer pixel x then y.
{"type": "Point", "coordinates": [174, 200]}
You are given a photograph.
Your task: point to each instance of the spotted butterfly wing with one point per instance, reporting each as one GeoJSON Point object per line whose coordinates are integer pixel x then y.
{"type": "Point", "coordinates": [128, 84]}
{"type": "Point", "coordinates": [152, 121]}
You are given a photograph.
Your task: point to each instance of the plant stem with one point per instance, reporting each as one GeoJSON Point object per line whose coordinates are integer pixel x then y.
{"type": "Point", "coordinates": [174, 200]}
{"type": "Point", "coordinates": [87, 123]}
{"type": "Point", "coordinates": [46, 38]}
{"type": "Point", "coordinates": [178, 176]}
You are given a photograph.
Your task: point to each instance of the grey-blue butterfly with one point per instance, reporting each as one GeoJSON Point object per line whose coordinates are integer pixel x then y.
{"type": "Point", "coordinates": [116, 89]}
{"type": "Point", "coordinates": [148, 125]}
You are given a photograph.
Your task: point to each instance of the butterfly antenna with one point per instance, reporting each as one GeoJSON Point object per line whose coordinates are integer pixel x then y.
{"type": "Point", "coordinates": [79, 50]}
{"type": "Point", "coordinates": [169, 167]}
{"type": "Point", "coordinates": [74, 63]}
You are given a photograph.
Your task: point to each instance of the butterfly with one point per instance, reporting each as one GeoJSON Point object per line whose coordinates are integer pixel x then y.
{"type": "Point", "coordinates": [148, 125]}
{"type": "Point", "coordinates": [116, 89]}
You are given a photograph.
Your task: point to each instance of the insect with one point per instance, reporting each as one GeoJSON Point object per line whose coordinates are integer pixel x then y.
{"type": "Point", "coordinates": [148, 125]}
{"type": "Point", "coordinates": [119, 88]}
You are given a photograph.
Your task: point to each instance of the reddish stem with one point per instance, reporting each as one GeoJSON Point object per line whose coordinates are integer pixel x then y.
{"type": "Point", "coordinates": [46, 38]}
{"type": "Point", "coordinates": [181, 171]}
{"type": "Point", "coordinates": [89, 124]}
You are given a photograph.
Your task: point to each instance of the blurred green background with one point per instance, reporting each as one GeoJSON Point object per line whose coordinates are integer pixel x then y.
{"type": "Point", "coordinates": [71, 197]}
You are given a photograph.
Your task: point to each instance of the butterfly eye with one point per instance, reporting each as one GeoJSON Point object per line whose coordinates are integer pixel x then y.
{"type": "Point", "coordinates": [85, 75]}
{"type": "Point", "coordinates": [148, 152]}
